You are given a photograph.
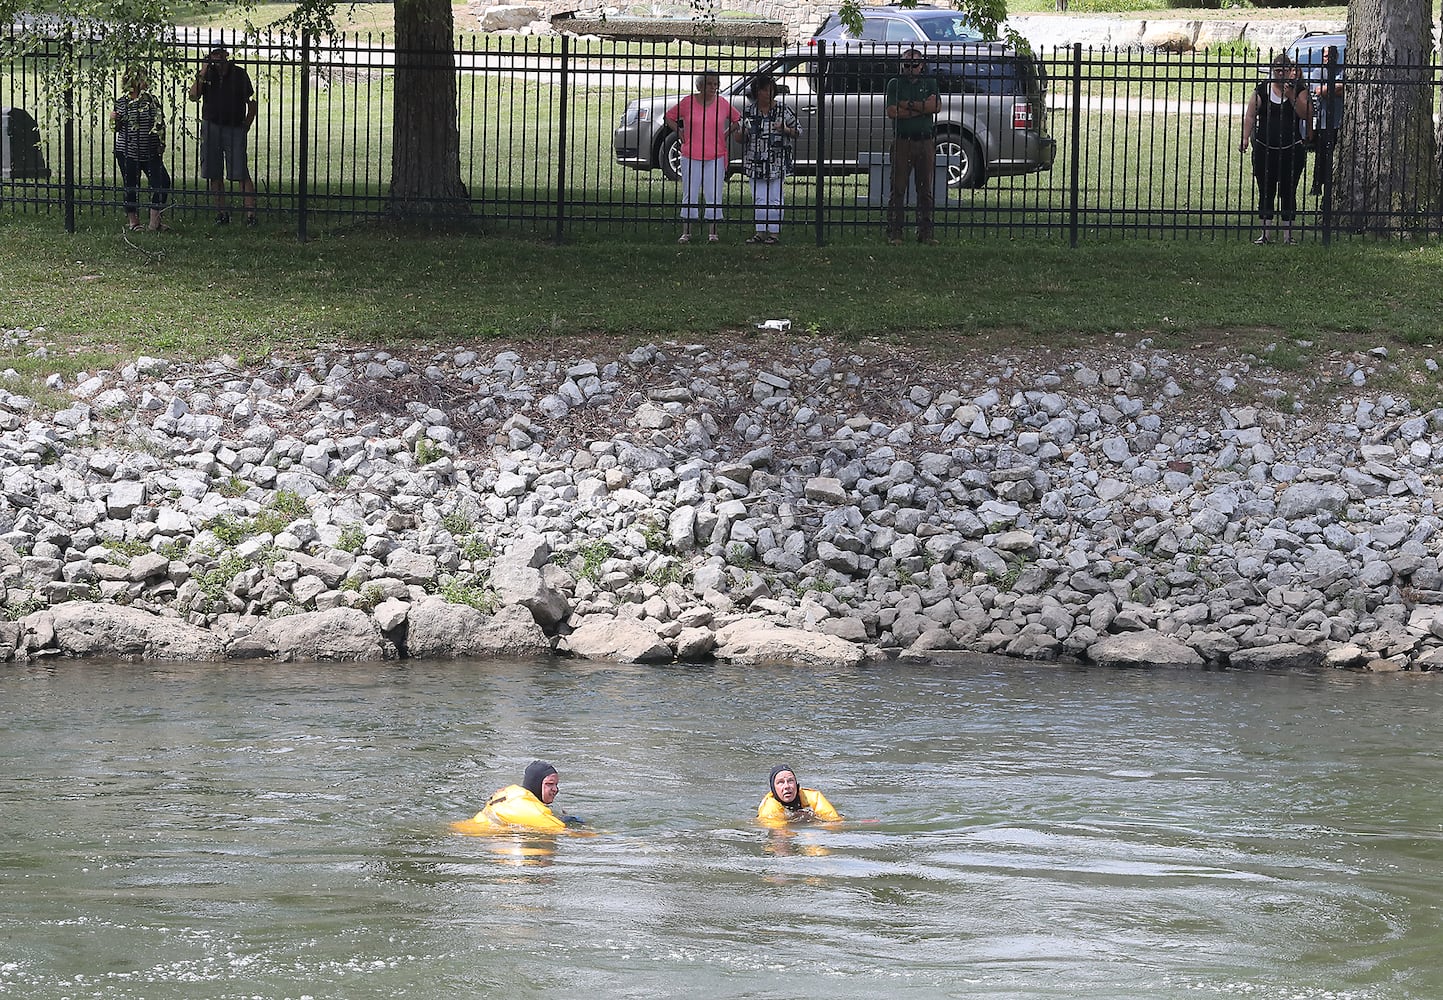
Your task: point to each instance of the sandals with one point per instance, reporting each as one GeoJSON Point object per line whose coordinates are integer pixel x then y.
{"type": "Point", "coordinates": [136, 228]}
{"type": "Point", "coordinates": [684, 238]}
{"type": "Point", "coordinates": [1261, 240]}
{"type": "Point", "coordinates": [713, 238]}
{"type": "Point", "coordinates": [756, 238]}
{"type": "Point", "coordinates": [161, 228]}
{"type": "Point", "coordinates": [771, 240]}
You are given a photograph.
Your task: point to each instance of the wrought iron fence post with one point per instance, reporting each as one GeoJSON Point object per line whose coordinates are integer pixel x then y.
{"type": "Point", "coordinates": [1074, 188]}
{"type": "Point", "coordinates": [821, 157]}
{"type": "Point", "coordinates": [68, 170]}
{"type": "Point", "coordinates": [1327, 206]}
{"type": "Point", "coordinates": [565, 84]}
{"type": "Point", "coordinates": [303, 154]}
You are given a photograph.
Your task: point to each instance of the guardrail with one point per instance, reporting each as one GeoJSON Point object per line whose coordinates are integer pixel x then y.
{"type": "Point", "coordinates": [1147, 144]}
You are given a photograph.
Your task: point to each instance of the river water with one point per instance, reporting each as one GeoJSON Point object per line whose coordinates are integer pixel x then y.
{"type": "Point", "coordinates": [268, 831]}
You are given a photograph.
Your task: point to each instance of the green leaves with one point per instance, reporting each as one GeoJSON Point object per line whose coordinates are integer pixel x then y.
{"type": "Point", "coordinates": [986, 15]}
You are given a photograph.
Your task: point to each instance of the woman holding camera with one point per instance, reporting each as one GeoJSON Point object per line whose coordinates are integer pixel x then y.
{"type": "Point", "coordinates": [139, 124]}
{"type": "Point", "coordinates": [1272, 125]}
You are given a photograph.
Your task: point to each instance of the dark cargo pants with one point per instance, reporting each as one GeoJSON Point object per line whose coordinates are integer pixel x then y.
{"type": "Point", "coordinates": [913, 159]}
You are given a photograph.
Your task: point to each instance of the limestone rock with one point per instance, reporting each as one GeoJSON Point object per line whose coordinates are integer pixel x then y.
{"type": "Point", "coordinates": [84, 628]}
{"type": "Point", "coordinates": [507, 17]}
{"type": "Point", "coordinates": [516, 577]}
{"type": "Point", "coordinates": [752, 641]}
{"type": "Point", "coordinates": [342, 634]}
{"type": "Point", "coordinates": [1142, 649]}
{"type": "Point", "coordinates": [1346, 656]}
{"type": "Point", "coordinates": [695, 643]}
{"type": "Point", "coordinates": [850, 629]}
{"type": "Point", "coordinates": [619, 639]}
{"type": "Point", "coordinates": [1307, 499]}
{"type": "Point", "coordinates": [438, 628]}
{"type": "Point", "coordinates": [1277, 656]}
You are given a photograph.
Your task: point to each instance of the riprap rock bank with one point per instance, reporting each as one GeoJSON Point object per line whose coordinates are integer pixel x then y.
{"type": "Point", "coordinates": [769, 500]}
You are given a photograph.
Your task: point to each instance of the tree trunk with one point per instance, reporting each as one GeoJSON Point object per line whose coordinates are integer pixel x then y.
{"type": "Point", "coordinates": [1386, 172]}
{"type": "Point", "coordinates": [426, 147]}
{"type": "Point", "coordinates": [1438, 144]}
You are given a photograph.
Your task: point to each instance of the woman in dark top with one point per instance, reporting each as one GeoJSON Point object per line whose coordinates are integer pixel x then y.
{"type": "Point", "coordinates": [1271, 126]}
{"type": "Point", "coordinates": [139, 124]}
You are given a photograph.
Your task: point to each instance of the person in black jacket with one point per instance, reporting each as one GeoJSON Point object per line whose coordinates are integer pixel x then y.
{"type": "Point", "coordinates": [227, 112]}
{"type": "Point", "coordinates": [1271, 125]}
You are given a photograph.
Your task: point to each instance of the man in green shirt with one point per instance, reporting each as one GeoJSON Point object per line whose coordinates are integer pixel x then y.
{"type": "Point", "coordinates": [912, 102]}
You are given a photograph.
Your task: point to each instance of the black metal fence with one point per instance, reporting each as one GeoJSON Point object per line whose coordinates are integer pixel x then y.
{"type": "Point", "coordinates": [1146, 144]}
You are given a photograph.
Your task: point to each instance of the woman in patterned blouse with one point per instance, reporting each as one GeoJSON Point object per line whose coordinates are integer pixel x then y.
{"type": "Point", "coordinates": [139, 124]}
{"type": "Point", "coordinates": [769, 130]}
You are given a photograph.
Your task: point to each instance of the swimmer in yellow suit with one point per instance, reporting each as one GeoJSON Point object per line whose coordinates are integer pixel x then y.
{"type": "Point", "coordinates": [788, 802]}
{"type": "Point", "coordinates": [523, 805]}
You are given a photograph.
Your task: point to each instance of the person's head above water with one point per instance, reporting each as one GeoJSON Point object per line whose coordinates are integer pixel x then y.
{"type": "Point", "coordinates": [784, 786]}
{"type": "Point", "coordinates": [541, 780]}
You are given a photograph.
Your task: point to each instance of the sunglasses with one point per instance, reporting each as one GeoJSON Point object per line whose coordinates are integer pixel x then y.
{"type": "Point", "coordinates": [911, 62]}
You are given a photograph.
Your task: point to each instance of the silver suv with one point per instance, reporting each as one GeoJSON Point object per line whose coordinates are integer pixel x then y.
{"type": "Point", "coordinates": [992, 121]}
{"type": "Point", "coordinates": [902, 24]}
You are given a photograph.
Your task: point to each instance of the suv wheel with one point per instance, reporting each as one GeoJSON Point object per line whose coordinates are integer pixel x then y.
{"type": "Point", "coordinates": [968, 172]}
{"type": "Point", "coordinates": [668, 156]}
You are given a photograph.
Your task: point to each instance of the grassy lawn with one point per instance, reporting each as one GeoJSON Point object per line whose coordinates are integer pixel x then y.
{"type": "Point", "coordinates": [1143, 166]}
{"type": "Point", "coordinates": [203, 291]}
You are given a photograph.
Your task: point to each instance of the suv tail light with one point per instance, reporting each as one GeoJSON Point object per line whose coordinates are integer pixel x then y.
{"type": "Point", "coordinates": [1022, 115]}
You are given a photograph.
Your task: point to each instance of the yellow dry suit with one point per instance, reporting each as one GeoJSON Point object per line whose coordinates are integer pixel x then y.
{"type": "Point", "coordinates": [814, 806]}
{"type": "Point", "coordinates": [511, 807]}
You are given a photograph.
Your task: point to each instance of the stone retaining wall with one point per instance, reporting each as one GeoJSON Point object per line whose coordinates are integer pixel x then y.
{"type": "Point", "coordinates": [796, 21]}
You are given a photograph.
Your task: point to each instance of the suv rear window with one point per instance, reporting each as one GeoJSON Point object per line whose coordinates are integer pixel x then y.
{"type": "Point", "coordinates": [1004, 76]}
{"type": "Point", "coordinates": [861, 75]}
{"type": "Point", "coordinates": [958, 74]}
{"type": "Point", "coordinates": [948, 29]}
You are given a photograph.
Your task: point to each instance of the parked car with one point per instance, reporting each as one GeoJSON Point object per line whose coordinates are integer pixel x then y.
{"type": "Point", "coordinates": [992, 121]}
{"type": "Point", "coordinates": [902, 24]}
{"type": "Point", "coordinates": [1307, 50]}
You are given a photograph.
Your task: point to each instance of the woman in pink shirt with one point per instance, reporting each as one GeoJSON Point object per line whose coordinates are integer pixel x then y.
{"type": "Point", "coordinates": [705, 121]}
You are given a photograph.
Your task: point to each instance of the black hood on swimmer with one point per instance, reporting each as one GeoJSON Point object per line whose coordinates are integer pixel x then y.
{"type": "Point", "coordinates": [536, 773]}
{"type": "Point", "coordinates": [796, 802]}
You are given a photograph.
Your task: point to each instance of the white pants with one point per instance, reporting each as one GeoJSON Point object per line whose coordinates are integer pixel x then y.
{"type": "Point", "coordinates": [767, 196]}
{"type": "Point", "coordinates": [702, 181]}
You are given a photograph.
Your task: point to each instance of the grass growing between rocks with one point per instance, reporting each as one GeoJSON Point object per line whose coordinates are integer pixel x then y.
{"type": "Point", "coordinates": [203, 292]}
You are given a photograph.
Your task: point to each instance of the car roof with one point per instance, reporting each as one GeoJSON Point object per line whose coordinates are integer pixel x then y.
{"type": "Point", "coordinates": [898, 12]}
{"type": "Point", "coordinates": [896, 8]}
{"type": "Point", "coordinates": [894, 50]}
{"type": "Point", "coordinates": [1319, 40]}
{"type": "Point", "coordinates": [1307, 49]}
